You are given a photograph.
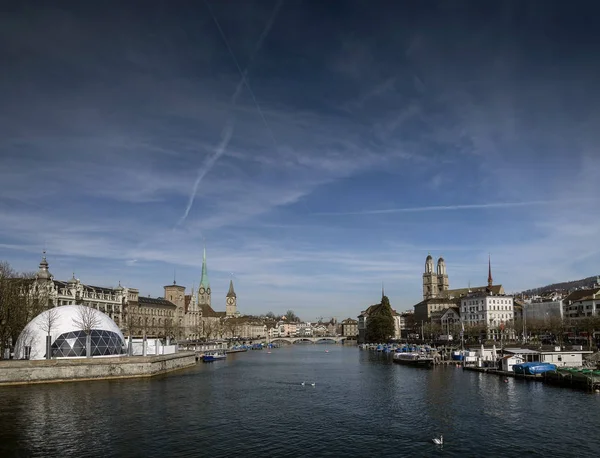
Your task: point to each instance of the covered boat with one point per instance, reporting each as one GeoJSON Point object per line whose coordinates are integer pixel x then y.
{"type": "Point", "coordinates": [413, 358]}
{"type": "Point", "coordinates": [533, 368]}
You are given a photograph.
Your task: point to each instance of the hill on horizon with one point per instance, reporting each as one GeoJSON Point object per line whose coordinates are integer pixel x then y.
{"type": "Point", "coordinates": [564, 286]}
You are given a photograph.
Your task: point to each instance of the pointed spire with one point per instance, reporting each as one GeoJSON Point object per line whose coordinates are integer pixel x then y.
{"type": "Point", "coordinates": [204, 278]}
{"type": "Point", "coordinates": [231, 292]}
{"type": "Point", "coordinates": [382, 291]}
{"type": "Point", "coordinates": [174, 275]}
{"type": "Point", "coordinates": [490, 280]}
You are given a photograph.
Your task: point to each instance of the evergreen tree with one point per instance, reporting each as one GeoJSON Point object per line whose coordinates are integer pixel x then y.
{"type": "Point", "coordinates": [380, 322]}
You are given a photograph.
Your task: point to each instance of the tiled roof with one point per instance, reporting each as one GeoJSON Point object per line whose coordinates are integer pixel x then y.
{"type": "Point", "coordinates": [582, 295]}
{"type": "Point", "coordinates": [441, 300]}
{"type": "Point", "coordinates": [154, 302]}
{"type": "Point", "coordinates": [208, 312]}
{"type": "Point", "coordinates": [496, 289]}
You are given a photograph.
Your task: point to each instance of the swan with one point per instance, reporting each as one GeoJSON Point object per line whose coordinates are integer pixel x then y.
{"type": "Point", "coordinates": [312, 384]}
{"type": "Point", "coordinates": [437, 441]}
{"type": "Point", "coordinates": [303, 383]}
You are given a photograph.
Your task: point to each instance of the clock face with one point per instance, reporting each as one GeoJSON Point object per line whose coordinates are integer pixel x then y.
{"type": "Point", "coordinates": [208, 290]}
{"type": "Point", "coordinates": [229, 300]}
{"type": "Point", "coordinates": [202, 290]}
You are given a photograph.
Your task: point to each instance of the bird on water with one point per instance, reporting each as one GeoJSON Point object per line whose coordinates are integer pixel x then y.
{"type": "Point", "coordinates": [438, 441]}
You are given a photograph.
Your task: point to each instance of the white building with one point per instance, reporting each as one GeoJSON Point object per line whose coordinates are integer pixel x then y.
{"type": "Point", "coordinates": [573, 358]}
{"type": "Point", "coordinates": [509, 361]}
{"type": "Point", "coordinates": [485, 309]}
{"type": "Point", "coordinates": [110, 301]}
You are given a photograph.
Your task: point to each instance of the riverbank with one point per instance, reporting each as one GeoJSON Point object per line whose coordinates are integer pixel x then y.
{"type": "Point", "coordinates": [84, 369]}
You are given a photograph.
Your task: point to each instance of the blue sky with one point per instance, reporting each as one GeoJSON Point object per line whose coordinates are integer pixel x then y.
{"type": "Point", "coordinates": [363, 137]}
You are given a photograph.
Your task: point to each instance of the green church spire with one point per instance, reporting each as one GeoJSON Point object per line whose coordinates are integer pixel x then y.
{"type": "Point", "coordinates": [204, 279]}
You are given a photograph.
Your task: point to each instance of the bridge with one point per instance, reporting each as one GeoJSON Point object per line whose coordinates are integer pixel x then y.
{"type": "Point", "coordinates": [293, 340]}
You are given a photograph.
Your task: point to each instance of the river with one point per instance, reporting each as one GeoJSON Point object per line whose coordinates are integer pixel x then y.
{"type": "Point", "coordinates": [254, 405]}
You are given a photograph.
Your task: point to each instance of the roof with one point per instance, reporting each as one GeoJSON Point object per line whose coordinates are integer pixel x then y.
{"type": "Point", "coordinates": [461, 292]}
{"type": "Point", "coordinates": [349, 321]}
{"type": "Point", "coordinates": [522, 351]}
{"type": "Point", "coordinates": [582, 295]}
{"type": "Point", "coordinates": [440, 300]}
{"type": "Point", "coordinates": [174, 285]}
{"type": "Point", "coordinates": [208, 312]}
{"type": "Point", "coordinates": [154, 302]}
{"type": "Point", "coordinates": [231, 292]}
{"type": "Point", "coordinates": [373, 309]}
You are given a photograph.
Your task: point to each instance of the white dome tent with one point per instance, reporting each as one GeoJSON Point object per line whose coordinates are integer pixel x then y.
{"type": "Point", "coordinates": [67, 325]}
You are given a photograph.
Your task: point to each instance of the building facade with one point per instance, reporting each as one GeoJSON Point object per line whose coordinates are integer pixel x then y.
{"type": "Point", "coordinates": [349, 327]}
{"type": "Point", "coordinates": [111, 301]}
{"type": "Point", "coordinates": [487, 310]}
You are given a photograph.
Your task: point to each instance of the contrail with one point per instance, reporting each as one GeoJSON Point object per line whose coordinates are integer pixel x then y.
{"type": "Point", "coordinates": [450, 207]}
{"type": "Point", "coordinates": [243, 73]}
{"type": "Point", "coordinates": [225, 138]}
{"type": "Point", "coordinates": [228, 130]}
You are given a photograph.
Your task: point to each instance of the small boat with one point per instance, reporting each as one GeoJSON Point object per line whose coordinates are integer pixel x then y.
{"type": "Point", "coordinates": [214, 356]}
{"type": "Point", "coordinates": [413, 359]}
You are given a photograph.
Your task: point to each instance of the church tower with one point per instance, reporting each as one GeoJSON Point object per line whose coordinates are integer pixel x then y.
{"type": "Point", "coordinates": [490, 279]}
{"type": "Point", "coordinates": [231, 301]}
{"type": "Point", "coordinates": [429, 279]}
{"type": "Point", "coordinates": [442, 277]}
{"type": "Point", "coordinates": [204, 289]}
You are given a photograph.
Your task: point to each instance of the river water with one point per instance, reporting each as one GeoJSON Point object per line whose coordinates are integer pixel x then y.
{"type": "Point", "coordinates": [254, 405]}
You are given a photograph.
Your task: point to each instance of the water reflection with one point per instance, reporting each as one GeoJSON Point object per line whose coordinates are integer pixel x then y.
{"type": "Point", "coordinates": [254, 404]}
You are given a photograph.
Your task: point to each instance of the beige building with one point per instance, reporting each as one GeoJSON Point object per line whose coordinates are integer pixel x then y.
{"type": "Point", "coordinates": [152, 317]}
{"type": "Point", "coordinates": [349, 328]}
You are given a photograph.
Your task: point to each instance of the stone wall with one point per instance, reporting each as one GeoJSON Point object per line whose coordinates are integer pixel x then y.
{"type": "Point", "coordinates": [68, 370]}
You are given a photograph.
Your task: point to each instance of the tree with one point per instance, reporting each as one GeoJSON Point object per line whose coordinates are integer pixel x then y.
{"type": "Point", "coordinates": [47, 325]}
{"type": "Point", "coordinates": [270, 315]}
{"type": "Point", "coordinates": [380, 322]}
{"type": "Point", "coordinates": [589, 324]}
{"type": "Point", "coordinates": [21, 300]}
{"type": "Point", "coordinates": [87, 319]}
{"type": "Point", "coordinates": [291, 317]}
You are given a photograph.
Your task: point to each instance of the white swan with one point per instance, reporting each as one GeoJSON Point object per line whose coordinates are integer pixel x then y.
{"type": "Point", "coordinates": [312, 384]}
{"type": "Point", "coordinates": [303, 383]}
{"type": "Point", "coordinates": [439, 441]}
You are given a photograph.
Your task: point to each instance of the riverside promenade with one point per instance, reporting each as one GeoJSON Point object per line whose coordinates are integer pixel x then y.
{"type": "Point", "coordinates": [18, 372]}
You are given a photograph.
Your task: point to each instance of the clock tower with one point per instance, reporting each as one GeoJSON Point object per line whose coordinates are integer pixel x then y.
{"type": "Point", "coordinates": [204, 289]}
{"type": "Point", "coordinates": [231, 301]}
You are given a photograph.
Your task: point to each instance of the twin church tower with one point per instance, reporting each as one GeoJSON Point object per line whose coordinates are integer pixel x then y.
{"type": "Point", "coordinates": [435, 282]}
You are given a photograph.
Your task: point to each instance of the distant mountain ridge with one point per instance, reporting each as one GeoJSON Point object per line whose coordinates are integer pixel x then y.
{"type": "Point", "coordinates": [564, 286]}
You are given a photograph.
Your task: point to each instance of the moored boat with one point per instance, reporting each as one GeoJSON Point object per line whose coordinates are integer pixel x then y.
{"type": "Point", "coordinates": [413, 359]}
{"type": "Point", "coordinates": [213, 356]}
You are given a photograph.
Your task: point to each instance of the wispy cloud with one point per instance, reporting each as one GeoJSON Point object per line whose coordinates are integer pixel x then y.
{"type": "Point", "coordinates": [434, 208]}
{"type": "Point", "coordinates": [103, 153]}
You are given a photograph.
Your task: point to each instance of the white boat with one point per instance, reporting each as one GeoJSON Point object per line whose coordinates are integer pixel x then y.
{"type": "Point", "coordinates": [214, 356]}
{"type": "Point", "coordinates": [413, 358]}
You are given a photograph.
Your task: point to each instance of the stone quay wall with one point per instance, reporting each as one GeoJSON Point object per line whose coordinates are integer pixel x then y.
{"type": "Point", "coordinates": [98, 368]}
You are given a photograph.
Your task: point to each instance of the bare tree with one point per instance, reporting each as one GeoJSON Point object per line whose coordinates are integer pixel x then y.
{"type": "Point", "coordinates": [49, 323]}
{"type": "Point", "coordinates": [21, 299]}
{"type": "Point", "coordinates": [87, 319]}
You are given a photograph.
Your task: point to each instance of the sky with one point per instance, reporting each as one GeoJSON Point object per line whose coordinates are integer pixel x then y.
{"type": "Point", "coordinates": [316, 149]}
